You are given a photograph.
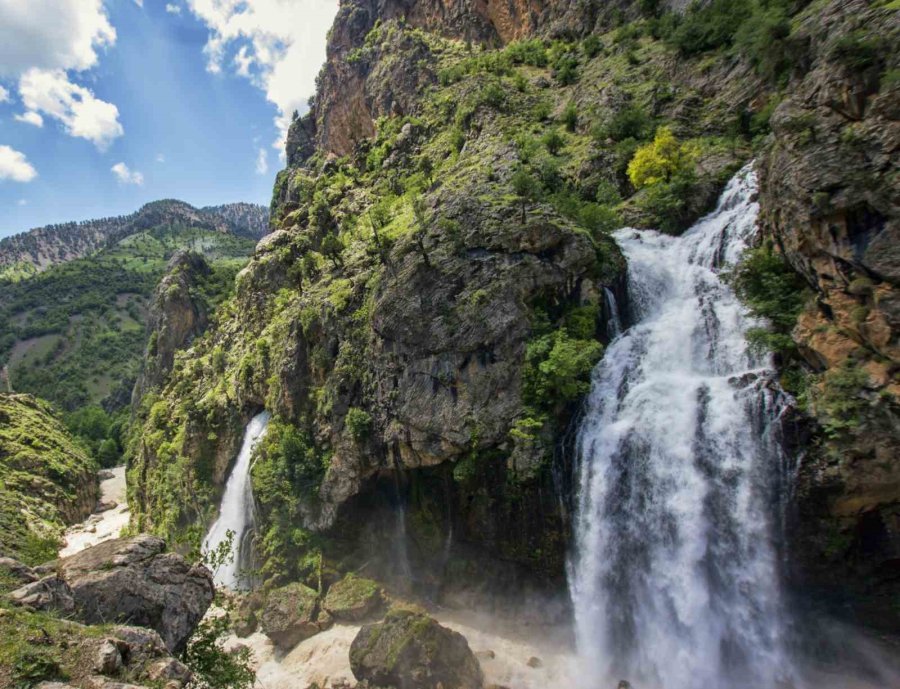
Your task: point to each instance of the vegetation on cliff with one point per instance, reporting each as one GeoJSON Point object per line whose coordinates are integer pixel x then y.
{"type": "Point", "coordinates": [47, 479]}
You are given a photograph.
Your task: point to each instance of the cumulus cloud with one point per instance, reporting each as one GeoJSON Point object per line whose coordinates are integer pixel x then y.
{"type": "Point", "coordinates": [4, 95]}
{"type": "Point", "coordinates": [127, 176]}
{"type": "Point", "coordinates": [172, 8]}
{"type": "Point", "coordinates": [31, 117]}
{"type": "Point", "coordinates": [278, 45]}
{"type": "Point", "coordinates": [82, 114]}
{"type": "Point", "coordinates": [42, 42]}
{"type": "Point", "coordinates": [15, 166]}
{"type": "Point", "coordinates": [52, 34]}
{"type": "Point", "coordinates": [262, 161]}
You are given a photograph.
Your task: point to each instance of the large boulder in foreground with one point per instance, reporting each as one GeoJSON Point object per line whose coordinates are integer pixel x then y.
{"type": "Point", "coordinates": [409, 650]}
{"type": "Point", "coordinates": [353, 598]}
{"type": "Point", "coordinates": [134, 581]}
{"type": "Point", "coordinates": [291, 615]}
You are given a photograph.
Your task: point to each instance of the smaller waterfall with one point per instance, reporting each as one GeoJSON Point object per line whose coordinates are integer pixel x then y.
{"type": "Point", "coordinates": [236, 513]}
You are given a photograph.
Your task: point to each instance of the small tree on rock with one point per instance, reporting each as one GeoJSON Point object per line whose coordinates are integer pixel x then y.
{"type": "Point", "coordinates": [527, 188]}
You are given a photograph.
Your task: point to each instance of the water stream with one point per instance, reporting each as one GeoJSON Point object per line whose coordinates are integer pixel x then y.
{"type": "Point", "coordinates": [674, 577]}
{"type": "Point", "coordinates": [236, 512]}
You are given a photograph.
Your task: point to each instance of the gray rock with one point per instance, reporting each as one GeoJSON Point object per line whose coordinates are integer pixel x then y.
{"type": "Point", "coordinates": [134, 581]}
{"type": "Point", "coordinates": [49, 594]}
{"type": "Point", "coordinates": [290, 615]}
{"type": "Point", "coordinates": [168, 669]}
{"type": "Point", "coordinates": [16, 570]}
{"type": "Point", "coordinates": [109, 659]}
{"type": "Point", "coordinates": [409, 650]}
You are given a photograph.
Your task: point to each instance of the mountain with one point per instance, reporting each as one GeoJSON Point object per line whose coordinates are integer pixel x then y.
{"type": "Point", "coordinates": [34, 251]}
{"type": "Point", "coordinates": [74, 332]}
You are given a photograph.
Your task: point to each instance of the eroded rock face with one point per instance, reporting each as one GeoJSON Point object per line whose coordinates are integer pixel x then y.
{"type": "Point", "coordinates": [353, 598]}
{"type": "Point", "coordinates": [176, 317]}
{"type": "Point", "coordinates": [409, 650]}
{"type": "Point", "coordinates": [828, 199]}
{"type": "Point", "coordinates": [134, 581]}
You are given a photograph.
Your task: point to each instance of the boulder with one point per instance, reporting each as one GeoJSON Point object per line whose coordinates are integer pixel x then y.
{"type": "Point", "coordinates": [290, 615]}
{"type": "Point", "coordinates": [408, 650]}
{"type": "Point", "coordinates": [353, 598]}
{"type": "Point", "coordinates": [134, 581]}
{"type": "Point", "coordinates": [47, 594]}
{"type": "Point", "coordinates": [109, 658]}
{"type": "Point", "coordinates": [247, 619]}
{"type": "Point", "coordinates": [16, 571]}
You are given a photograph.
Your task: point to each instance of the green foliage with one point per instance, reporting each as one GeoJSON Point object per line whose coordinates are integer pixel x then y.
{"type": "Point", "coordinates": [665, 203]}
{"type": "Point", "coordinates": [359, 423]}
{"type": "Point", "coordinates": [839, 403]}
{"type": "Point", "coordinates": [592, 45]}
{"type": "Point", "coordinates": [858, 50]}
{"type": "Point", "coordinates": [212, 665]}
{"type": "Point", "coordinates": [631, 122]}
{"type": "Point", "coordinates": [660, 161]}
{"type": "Point", "coordinates": [526, 187]}
{"type": "Point", "coordinates": [769, 287]}
{"type": "Point", "coordinates": [570, 116]}
{"type": "Point", "coordinates": [558, 367]}
{"type": "Point", "coordinates": [553, 141]}
{"type": "Point", "coordinates": [529, 52]}
{"type": "Point", "coordinates": [706, 26]}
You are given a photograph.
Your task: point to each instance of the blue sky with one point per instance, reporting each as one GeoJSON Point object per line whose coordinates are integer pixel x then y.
{"type": "Point", "coordinates": [179, 99]}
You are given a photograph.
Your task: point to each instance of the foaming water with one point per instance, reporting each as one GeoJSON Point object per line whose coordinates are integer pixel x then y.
{"type": "Point", "coordinates": [236, 513]}
{"type": "Point", "coordinates": [674, 575]}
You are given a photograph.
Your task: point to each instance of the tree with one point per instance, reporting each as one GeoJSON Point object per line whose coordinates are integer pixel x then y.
{"type": "Point", "coordinates": [421, 226]}
{"type": "Point", "coordinates": [661, 160]}
{"type": "Point", "coordinates": [526, 187]}
{"type": "Point", "coordinates": [554, 141]}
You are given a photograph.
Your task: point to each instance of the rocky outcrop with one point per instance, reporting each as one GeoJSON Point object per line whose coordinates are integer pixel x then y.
{"type": "Point", "coordinates": [291, 614]}
{"type": "Point", "coordinates": [131, 581]}
{"type": "Point", "coordinates": [48, 478]}
{"type": "Point", "coordinates": [177, 315]}
{"type": "Point", "coordinates": [828, 200]}
{"type": "Point", "coordinates": [353, 599]}
{"type": "Point", "coordinates": [408, 650]}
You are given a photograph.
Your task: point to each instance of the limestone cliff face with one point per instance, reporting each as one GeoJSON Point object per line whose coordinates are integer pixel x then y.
{"type": "Point", "coordinates": [829, 200]}
{"type": "Point", "coordinates": [177, 315]}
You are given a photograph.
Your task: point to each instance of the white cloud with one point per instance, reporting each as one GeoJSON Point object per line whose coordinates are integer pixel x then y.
{"type": "Point", "coordinates": [126, 175]}
{"type": "Point", "coordinates": [15, 166]}
{"type": "Point", "coordinates": [81, 113]}
{"type": "Point", "coordinates": [262, 161]}
{"type": "Point", "coordinates": [160, 158]}
{"type": "Point", "coordinates": [172, 8]}
{"type": "Point", "coordinates": [278, 45]}
{"type": "Point", "coordinates": [31, 117]}
{"type": "Point", "coordinates": [139, 3]}
{"type": "Point", "coordinates": [22, 202]}
{"type": "Point", "coordinates": [4, 95]}
{"type": "Point", "coordinates": [52, 34]}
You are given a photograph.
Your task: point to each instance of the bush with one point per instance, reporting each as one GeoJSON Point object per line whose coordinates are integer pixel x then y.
{"type": "Point", "coordinates": [531, 52]}
{"type": "Point", "coordinates": [558, 367]}
{"type": "Point", "coordinates": [570, 116]}
{"type": "Point", "coordinates": [660, 161]}
{"type": "Point", "coordinates": [666, 203]}
{"type": "Point", "coordinates": [631, 122]}
{"type": "Point", "coordinates": [839, 404]}
{"type": "Point", "coordinates": [213, 666]}
{"type": "Point", "coordinates": [359, 423]}
{"type": "Point", "coordinates": [565, 69]}
{"type": "Point", "coordinates": [858, 50]}
{"type": "Point", "coordinates": [709, 26]}
{"type": "Point", "coordinates": [592, 45]}
{"type": "Point", "coordinates": [553, 141]}
{"type": "Point", "coordinates": [769, 287]}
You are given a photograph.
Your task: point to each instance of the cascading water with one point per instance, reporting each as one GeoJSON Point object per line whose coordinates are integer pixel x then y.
{"type": "Point", "coordinates": [236, 513]}
{"type": "Point", "coordinates": [674, 577]}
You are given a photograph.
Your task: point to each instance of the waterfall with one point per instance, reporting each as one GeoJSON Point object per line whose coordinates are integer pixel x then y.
{"type": "Point", "coordinates": [236, 512]}
{"type": "Point", "coordinates": [674, 577]}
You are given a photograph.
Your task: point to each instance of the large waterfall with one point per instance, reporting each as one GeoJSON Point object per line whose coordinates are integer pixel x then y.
{"type": "Point", "coordinates": [236, 511]}
{"type": "Point", "coordinates": [674, 578]}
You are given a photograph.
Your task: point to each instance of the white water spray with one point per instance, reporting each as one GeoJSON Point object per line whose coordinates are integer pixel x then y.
{"type": "Point", "coordinates": [674, 579]}
{"type": "Point", "coordinates": [236, 513]}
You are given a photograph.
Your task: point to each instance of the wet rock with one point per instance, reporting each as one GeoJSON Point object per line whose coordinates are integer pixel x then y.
{"type": "Point", "coordinates": [623, 684]}
{"type": "Point", "coordinates": [47, 594]}
{"type": "Point", "coordinates": [353, 598]}
{"type": "Point", "coordinates": [412, 651]}
{"type": "Point", "coordinates": [247, 619]}
{"type": "Point", "coordinates": [290, 615]}
{"type": "Point", "coordinates": [134, 580]}
{"type": "Point", "coordinates": [485, 655]}
{"type": "Point", "coordinates": [534, 662]}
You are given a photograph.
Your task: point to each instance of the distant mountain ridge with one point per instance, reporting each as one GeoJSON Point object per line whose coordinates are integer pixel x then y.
{"type": "Point", "coordinates": [36, 250]}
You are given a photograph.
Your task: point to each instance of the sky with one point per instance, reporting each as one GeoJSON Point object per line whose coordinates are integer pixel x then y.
{"type": "Point", "coordinates": [108, 104]}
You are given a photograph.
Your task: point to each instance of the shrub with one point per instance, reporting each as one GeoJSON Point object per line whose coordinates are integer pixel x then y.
{"type": "Point", "coordinates": [531, 52]}
{"type": "Point", "coordinates": [857, 50]}
{"type": "Point", "coordinates": [526, 187]}
{"type": "Point", "coordinates": [666, 203]}
{"type": "Point", "coordinates": [769, 287]}
{"type": "Point", "coordinates": [565, 69]}
{"type": "Point", "coordinates": [570, 116]}
{"type": "Point", "coordinates": [359, 423]}
{"type": "Point", "coordinates": [553, 141]}
{"type": "Point", "coordinates": [592, 45]}
{"type": "Point", "coordinates": [558, 367]}
{"type": "Point", "coordinates": [631, 122]}
{"type": "Point", "coordinates": [213, 666]}
{"type": "Point", "coordinates": [709, 26]}
{"type": "Point", "coordinates": [839, 404]}
{"type": "Point", "coordinates": [660, 161]}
